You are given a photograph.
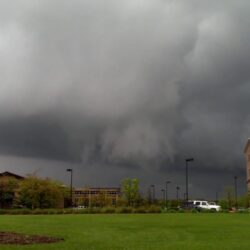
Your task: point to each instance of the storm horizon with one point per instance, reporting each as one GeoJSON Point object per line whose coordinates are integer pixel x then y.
{"type": "Point", "coordinates": [117, 89]}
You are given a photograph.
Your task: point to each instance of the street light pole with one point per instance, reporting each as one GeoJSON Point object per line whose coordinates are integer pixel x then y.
{"type": "Point", "coordinates": [216, 196]}
{"type": "Point", "coordinates": [187, 160]}
{"type": "Point", "coordinates": [71, 185]}
{"type": "Point", "coordinates": [153, 195]}
{"type": "Point", "coordinates": [166, 197]}
{"type": "Point", "coordinates": [163, 196]}
{"type": "Point", "coordinates": [235, 190]}
{"type": "Point", "coordinates": [177, 194]}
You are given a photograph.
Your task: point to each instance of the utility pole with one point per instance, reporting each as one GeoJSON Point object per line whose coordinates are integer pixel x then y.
{"type": "Point", "coordinates": [235, 191]}
{"type": "Point", "coordinates": [187, 160]}
{"type": "Point", "coordinates": [153, 195]}
{"type": "Point", "coordinates": [71, 185]}
{"type": "Point", "coordinates": [163, 196]}
{"type": "Point", "coordinates": [166, 197]}
{"type": "Point", "coordinates": [177, 194]}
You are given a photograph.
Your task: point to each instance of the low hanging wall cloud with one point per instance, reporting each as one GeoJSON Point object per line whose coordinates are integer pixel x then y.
{"type": "Point", "coordinates": [138, 84]}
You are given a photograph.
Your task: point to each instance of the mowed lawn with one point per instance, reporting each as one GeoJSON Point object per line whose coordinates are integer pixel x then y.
{"type": "Point", "coordinates": [134, 231]}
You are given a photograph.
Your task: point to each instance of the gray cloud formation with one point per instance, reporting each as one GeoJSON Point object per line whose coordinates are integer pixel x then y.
{"type": "Point", "coordinates": [139, 84]}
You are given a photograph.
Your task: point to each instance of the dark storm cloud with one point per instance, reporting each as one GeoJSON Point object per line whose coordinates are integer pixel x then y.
{"type": "Point", "coordinates": [135, 84]}
{"type": "Point", "coordinates": [34, 137]}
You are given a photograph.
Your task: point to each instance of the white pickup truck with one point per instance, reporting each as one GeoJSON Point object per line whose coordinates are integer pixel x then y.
{"type": "Point", "coordinates": [206, 205]}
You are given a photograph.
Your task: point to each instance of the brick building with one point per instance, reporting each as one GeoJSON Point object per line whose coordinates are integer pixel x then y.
{"type": "Point", "coordinates": [97, 197]}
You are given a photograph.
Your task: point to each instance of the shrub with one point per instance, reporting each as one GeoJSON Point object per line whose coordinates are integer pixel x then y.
{"type": "Point", "coordinates": [58, 211]}
{"type": "Point", "coordinates": [25, 211]}
{"type": "Point", "coordinates": [3, 211]}
{"type": "Point", "coordinates": [81, 211]}
{"type": "Point", "coordinates": [94, 210]}
{"type": "Point", "coordinates": [224, 210]}
{"type": "Point", "coordinates": [172, 211]}
{"type": "Point", "coordinates": [124, 210]}
{"type": "Point", "coordinates": [68, 211]}
{"type": "Point", "coordinates": [181, 210]}
{"type": "Point", "coordinates": [243, 211]}
{"type": "Point", "coordinates": [52, 211]}
{"type": "Point", "coordinates": [37, 211]}
{"type": "Point", "coordinates": [194, 211]}
{"type": "Point", "coordinates": [140, 210]}
{"type": "Point", "coordinates": [154, 209]}
{"type": "Point", "coordinates": [108, 210]}
{"type": "Point", "coordinates": [16, 211]}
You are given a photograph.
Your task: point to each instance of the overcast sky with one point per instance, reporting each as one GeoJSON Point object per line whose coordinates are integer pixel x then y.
{"type": "Point", "coordinates": [129, 88]}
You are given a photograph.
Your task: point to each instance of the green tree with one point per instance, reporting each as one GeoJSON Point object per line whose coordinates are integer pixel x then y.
{"type": "Point", "coordinates": [8, 186]}
{"type": "Point", "coordinates": [130, 191]}
{"type": "Point", "coordinates": [229, 196]}
{"type": "Point", "coordinates": [40, 193]}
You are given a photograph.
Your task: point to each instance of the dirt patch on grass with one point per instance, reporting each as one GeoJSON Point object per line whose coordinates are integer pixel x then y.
{"type": "Point", "coordinates": [24, 239]}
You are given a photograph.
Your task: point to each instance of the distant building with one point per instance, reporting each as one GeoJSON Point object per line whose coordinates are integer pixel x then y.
{"type": "Point", "coordinates": [7, 174]}
{"type": "Point", "coordinates": [97, 197]}
{"type": "Point", "coordinates": [247, 155]}
{"type": "Point", "coordinates": [9, 183]}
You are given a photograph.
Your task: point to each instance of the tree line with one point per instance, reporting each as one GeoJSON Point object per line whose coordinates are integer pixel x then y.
{"type": "Point", "coordinates": [34, 192]}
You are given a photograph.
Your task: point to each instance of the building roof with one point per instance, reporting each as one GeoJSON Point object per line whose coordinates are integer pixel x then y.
{"type": "Point", "coordinates": [9, 174]}
{"type": "Point", "coordinates": [247, 145]}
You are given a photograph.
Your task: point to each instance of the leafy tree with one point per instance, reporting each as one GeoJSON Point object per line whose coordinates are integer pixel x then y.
{"type": "Point", "coordinates": [224, 204]}
{"type": "Point", "coordinates": [101, 199]}
{"type": "Point", "coordinates": [130, 191]}
{"type": "Point", "coordinates": [8, 186]}
{"type": "Point", "coordinates": [229, 196]}
{"type": "Point", "coordinates": [244, 201]}
{"type": "Point", "coordinates": [40, 193]}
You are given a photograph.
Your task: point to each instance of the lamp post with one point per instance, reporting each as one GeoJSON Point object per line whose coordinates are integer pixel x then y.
{"type": "Point", "coordinates": [177, 194]}
{"type": "Point", "coordinates": [163, 196]}
{"type": "Point", "coordinates": [166, 197]}
{"type": "Point", "coordinates": [216, 196]}
{"type": "Point", "coordinates": [235, 191]}
{"type": "Point", "coordinates": [71, 189]}
{"type": "Point", "coordinates": [153, 193]}
{"type": "Point", "coordinates": [187, 160]}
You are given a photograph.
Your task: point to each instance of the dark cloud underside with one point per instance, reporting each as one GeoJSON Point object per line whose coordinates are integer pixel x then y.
{"type": "Point", "coordinates": [126, 84]}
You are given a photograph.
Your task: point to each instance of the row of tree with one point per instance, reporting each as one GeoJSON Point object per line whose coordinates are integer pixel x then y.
{"type": "Point", "coordinates": [34, 192]}
{"type": "Point", "coordinates": [132, 197]}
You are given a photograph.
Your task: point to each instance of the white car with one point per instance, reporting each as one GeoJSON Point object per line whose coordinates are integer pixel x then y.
{"type": "Point", "coordinates": [206, 205]}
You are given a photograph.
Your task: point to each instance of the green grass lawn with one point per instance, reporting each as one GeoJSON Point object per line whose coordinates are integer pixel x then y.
{"type": "Point", "coordinates": [134, 231]}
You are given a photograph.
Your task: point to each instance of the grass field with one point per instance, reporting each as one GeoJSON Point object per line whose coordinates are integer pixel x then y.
{"type": "Point", "coordinates": [134, 231]}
